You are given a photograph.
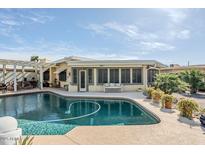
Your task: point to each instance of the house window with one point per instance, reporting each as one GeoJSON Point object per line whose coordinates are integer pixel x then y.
{"type": "Point", "coordinates": [114, 75]}
{"type": "Point", "coordinates": [90, 75]}
{"type": "Point", "coordinates": [75, 75]}
{"type": "Point", "coordinates": [46, 76]}
{"type": "Point", "coordinates": [62, 76]}
{"type": "Point", "coordinates": [125, 75]}
{"type": "Point", "coordinates": [102, 75]}
{"type": "Point", "coordinates": [152, 74]}
{"type": "Point", "coordinates": [137, 75]}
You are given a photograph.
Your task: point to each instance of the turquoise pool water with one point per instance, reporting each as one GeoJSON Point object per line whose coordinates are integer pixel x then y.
{"type": "Point", "coordinates": [50, 114]}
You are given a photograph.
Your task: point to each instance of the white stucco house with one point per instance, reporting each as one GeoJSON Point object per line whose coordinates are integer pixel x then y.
{"type": "Point", "coordinates": [78, 74]}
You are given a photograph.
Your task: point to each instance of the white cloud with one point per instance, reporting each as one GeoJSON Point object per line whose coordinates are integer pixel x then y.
{"type": "Point", "coordinates": [99, 29]}
{"type": "Point", "coordinates": [51, 50]}
{"type": "Point", "coordinates": [131, 31]}
{"type": "Point", "coordinates": [176, 15]}
{"type": "Point", "coordinates": [179, 34]}
{"type": "Point", "coordinates": [146, 42]}
{"type": "Point", "coordinates": [157, 46]}
{"type": "Point", "coordinates": [11, 21]}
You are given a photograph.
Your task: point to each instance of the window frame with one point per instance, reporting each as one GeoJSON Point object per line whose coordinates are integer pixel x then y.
{"type": "Point", "coordinates": [63, 76]}
{"type": "Point", "coordinates": [135, 74]}
{"type": "Point", "coordinates": [92, 76]}
{"type": "Point", "coordinates": [74, 76]}
{"type": "Point", "coordinates": [116, 74]}
{"type": "Point", "coordinates": [104, 77]}
{"type": "Point", "coordinates": [127, 78]}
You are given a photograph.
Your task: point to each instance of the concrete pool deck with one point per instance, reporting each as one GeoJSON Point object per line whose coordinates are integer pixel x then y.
{"type": "Point", "coordinates": [169, 131]}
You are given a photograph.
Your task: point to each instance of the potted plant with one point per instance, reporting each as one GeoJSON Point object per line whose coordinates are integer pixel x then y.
{"type": "Point", "coordinates": [148, 92]}
{"type": "Point", "coordinates": [187, 107]}
{"type": "Point", "coordinates": [167, 101]}
{"type": "Point", "coordinates": [157, 95]}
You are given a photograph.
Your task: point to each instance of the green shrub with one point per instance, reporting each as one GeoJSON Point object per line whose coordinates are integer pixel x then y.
{"type": "Point", "coordinates": [167, 101]}
{"type": "Point", "coordinates": [187, 107]}
{"type": "Point", "coordinates": [170, 83]}
{"type": "Point", "coordinates": [194, 78]}
{"type": "Point", "coordinates": [149, 91]}
{"type": "Point", "coordinates": [157, 95]}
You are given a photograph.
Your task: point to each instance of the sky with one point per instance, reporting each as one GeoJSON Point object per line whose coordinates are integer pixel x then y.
{"type": "Point", "coordinates": [167, 35]}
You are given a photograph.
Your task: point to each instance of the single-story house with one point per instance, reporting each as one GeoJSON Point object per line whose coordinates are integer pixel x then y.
{"type": "Point", "coordinates": [78, 74]}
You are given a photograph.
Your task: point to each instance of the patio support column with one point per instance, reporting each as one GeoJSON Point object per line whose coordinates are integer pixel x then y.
{"type": "Point", "coordinates": [95, 76]}
{"type": "Point", "coordinates": [36, 72]}
{"type": "Point", "coordinates": [131, 75]}
{"type": "Point", "coordinates": [50, 75]}
{"type": "Point", "coordinates": [120, 75]}
{"type": "Point", "coordinates": [145, 76]}
{"type": "Point", "coordinates": [108, 75]}
{"type": "Point", "coordinates": [23, 75]}
{"type": "Point", "coordinates": [4, 73]}
{"type": "Point", "coordinates": [41, 77]}
{"type": "Point", "coordinates": [14, 78]}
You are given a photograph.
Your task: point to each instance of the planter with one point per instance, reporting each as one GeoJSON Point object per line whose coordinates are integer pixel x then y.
{"type": "Point", "coordinates": [167, 110]}
{"type": "Point", "coordinates": [194, 122]}
{"type": "Point", "coordinates": [155, 103]}
{"type": "Point", "coordinates": [168, 105]}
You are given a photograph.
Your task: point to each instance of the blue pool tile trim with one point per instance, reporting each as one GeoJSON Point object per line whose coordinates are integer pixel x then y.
{"type": "Point", "coordinates": [35, 128]}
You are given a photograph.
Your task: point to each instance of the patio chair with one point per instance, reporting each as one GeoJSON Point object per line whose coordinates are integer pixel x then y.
{"type": "Point", "coordinates": [3, 87]}
{"type": "Point", "coordinates": [27, 85]}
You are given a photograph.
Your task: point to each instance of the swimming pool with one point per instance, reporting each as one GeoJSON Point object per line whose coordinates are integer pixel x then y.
{"type": "Point", "coordinates": [51, 114]}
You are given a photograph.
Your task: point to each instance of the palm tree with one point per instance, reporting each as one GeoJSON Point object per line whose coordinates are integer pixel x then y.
{"type": "Point", "coordinates": [170, 83]}
{"type": "Point", "coordinates": [194, 78]}
{"type": "Point", "coordinates": [35, 58]}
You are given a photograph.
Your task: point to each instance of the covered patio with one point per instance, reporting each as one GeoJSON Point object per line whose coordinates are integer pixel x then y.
{"type": "Point", "coordinates": [18, 74]}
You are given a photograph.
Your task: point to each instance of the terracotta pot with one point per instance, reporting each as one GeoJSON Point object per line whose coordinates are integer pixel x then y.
{"type": "Point", "coordinates": [157, 101]}
{"type": "Point", "coordinates": [168, 105]}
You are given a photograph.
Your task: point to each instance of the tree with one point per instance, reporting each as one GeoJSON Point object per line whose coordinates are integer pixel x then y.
{"type": "Point", "coordinates": [194, 78]}
{"type": "Point", "coordinates": [35, 58]}
{"type": "Point", "coordinates": [170, 83]}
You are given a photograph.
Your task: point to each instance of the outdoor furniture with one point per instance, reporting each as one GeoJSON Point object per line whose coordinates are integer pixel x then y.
{"type": "Point", "coordinates": [112, 88]}
{"type": "Point", "coordinates": [187, 93]}
{"type": "Point", "coordinates": [3, 87]}
{"type": "Point", "coordinates": [27, 85]}
{"type": "Point", "coordinates": [56, 84]}
{"type": "Point", "coordinates": [33, 83]}
{"type": "Point", "coordinates": [10, 86]}
{"type": "Point", "coordinates": [202, 119]}
{"type": "Point", "coordinates": [45, 84]}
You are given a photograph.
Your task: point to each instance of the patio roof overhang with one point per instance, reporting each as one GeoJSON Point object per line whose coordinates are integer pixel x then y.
{"type": "Point", "coordinates": [15, 63]}
{"type": "Point", "coordinates": [20, 63]}
{"type": "Point", "coordinates": [117, 63]}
